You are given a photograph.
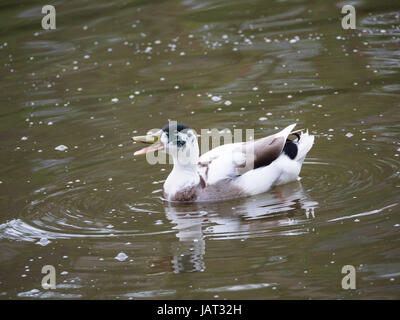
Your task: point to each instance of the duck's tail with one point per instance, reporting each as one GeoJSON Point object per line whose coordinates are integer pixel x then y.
{"type": "Point", "coordinates": [304, 144]}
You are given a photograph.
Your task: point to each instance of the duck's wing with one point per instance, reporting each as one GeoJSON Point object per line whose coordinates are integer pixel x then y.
{"type": "Point", "coordinates": [232, 160]}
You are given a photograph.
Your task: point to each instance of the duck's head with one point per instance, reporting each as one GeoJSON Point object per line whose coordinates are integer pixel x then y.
{"type": "Point", "coordinates": [175, 139]}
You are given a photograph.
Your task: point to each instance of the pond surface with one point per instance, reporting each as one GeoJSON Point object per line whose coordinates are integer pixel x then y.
{"type": "Point", "coordinates": [72, 194]}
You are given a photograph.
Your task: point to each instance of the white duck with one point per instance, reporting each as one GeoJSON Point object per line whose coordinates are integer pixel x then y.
{"type": "Point", "coordinates": [231, 170]}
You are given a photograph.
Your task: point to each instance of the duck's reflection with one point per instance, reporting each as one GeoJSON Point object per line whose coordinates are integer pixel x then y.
{"type": "Point", "coordinates": [268, 213]}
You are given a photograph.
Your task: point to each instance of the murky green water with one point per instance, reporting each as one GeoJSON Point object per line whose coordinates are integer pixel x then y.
{"type": "Point", "coordinates": [115, 68]}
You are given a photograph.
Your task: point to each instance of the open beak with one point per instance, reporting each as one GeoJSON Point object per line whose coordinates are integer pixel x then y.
{"type": "Point", "coordinates": [152, 139]}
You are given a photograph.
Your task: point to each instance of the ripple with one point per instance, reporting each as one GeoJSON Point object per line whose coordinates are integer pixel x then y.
{"type": "Point", "coordinates": [76, 213]}
{"type": "Point", "coordinates": [366, 177]}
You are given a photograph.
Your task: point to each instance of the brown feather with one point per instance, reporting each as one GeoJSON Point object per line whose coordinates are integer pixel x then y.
{"type": "Point", "coordinates": [267, 150]}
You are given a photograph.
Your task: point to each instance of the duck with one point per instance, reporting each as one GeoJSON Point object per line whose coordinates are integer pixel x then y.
{"type": "Point", "coordinates": [232, 170]}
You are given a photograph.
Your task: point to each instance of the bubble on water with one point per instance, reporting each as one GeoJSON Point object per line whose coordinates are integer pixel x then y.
{"type": "Point", "coordinates": [121, 256]}
{"type": "Point", "coordinates": [64, 273]}
{"type": "Point", "coordinates": [228, 102]}
{"type": "Point", "coordinates": [61, 147]}
{"type": "Point", "coordinates": [263, 118]}
{"type": "Point", "coordinates": [24, 138]}
{"type": "Point", "coordinates": [114, 100]}
{"type": "Point", "coordinates": [255, 88]}
{"type": "Point", "coordinates": [349, 134]}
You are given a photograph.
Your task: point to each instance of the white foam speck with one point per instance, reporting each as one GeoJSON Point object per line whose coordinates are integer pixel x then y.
{"type": "Point", "coordinates": [228, 102]}
{"type": "Point", "coordinates": [121, 256]}
{"type": "Point", "coordinates": [61, 147]}
{"type": "Point", "coordinates": [216, 98]}
{"type": "Point", "coordinates": [43, 242]}
{"type": "Point", "coordinates": [349, 134]}
{"type": "Point", "coordinates": [114, 99]}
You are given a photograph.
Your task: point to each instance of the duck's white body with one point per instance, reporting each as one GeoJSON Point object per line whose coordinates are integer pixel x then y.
{"type": "Point", "coordinates": [238, 169]}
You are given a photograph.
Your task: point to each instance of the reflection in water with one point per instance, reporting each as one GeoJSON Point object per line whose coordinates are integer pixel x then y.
{"type": "Point", "coordinates": [240, 219]}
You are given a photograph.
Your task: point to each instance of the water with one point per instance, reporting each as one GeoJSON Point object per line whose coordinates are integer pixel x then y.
{"type": "Point", "coordinates": [72, 194]}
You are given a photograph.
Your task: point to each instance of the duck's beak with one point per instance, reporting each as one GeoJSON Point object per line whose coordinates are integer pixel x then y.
{"type": "Point", "coordinates": [152, 138]}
